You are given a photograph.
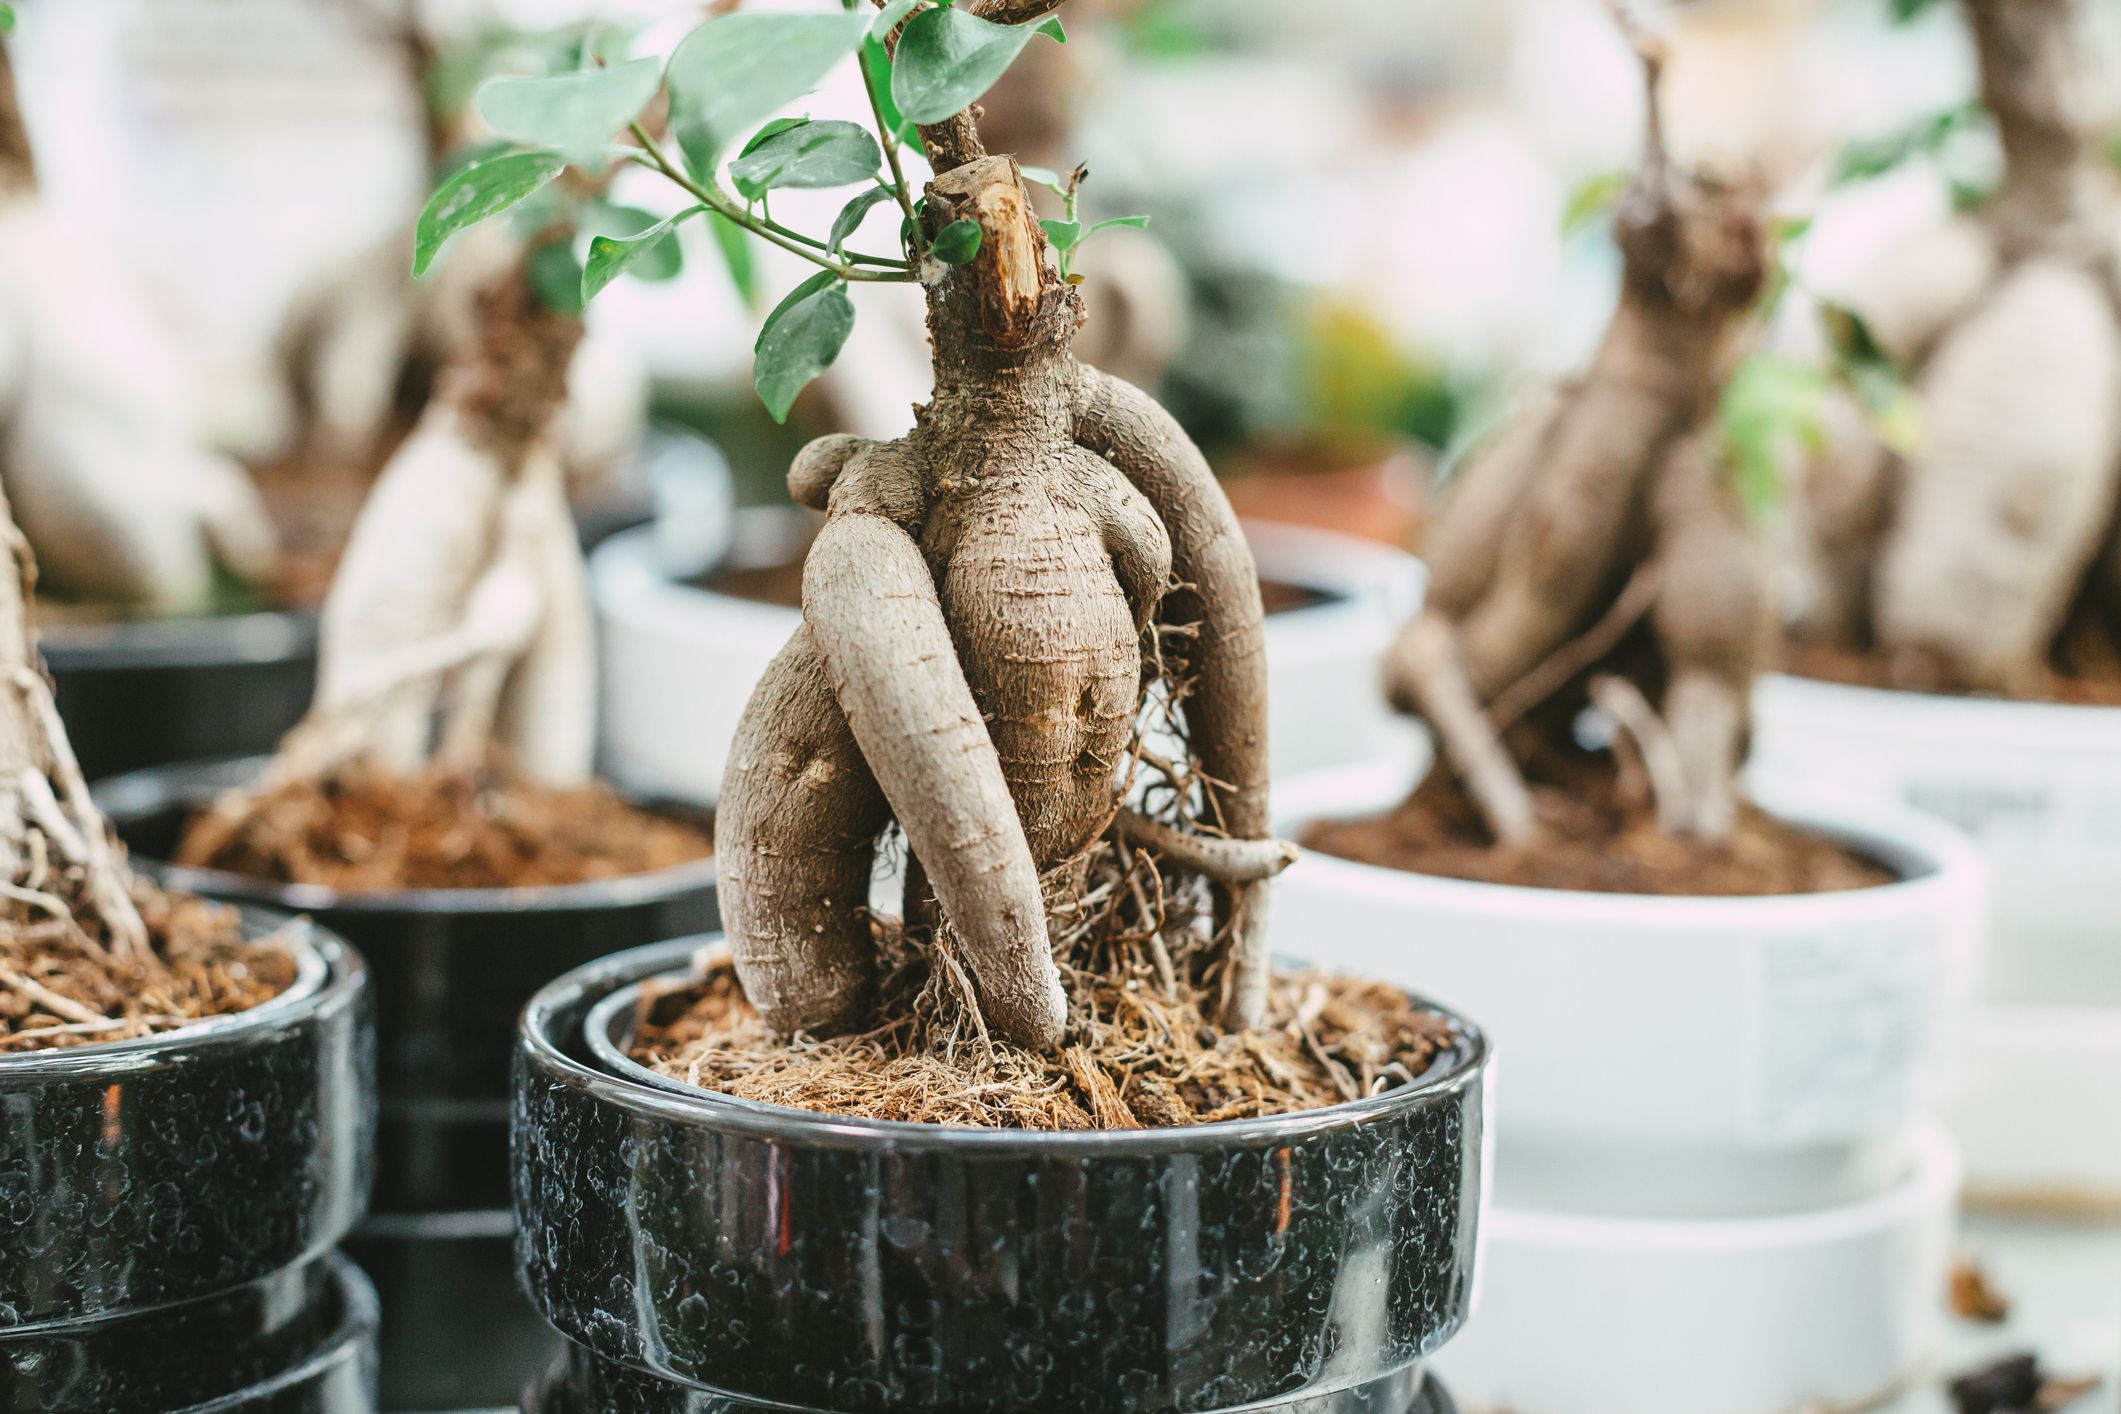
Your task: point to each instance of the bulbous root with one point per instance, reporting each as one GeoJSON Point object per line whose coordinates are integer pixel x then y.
{"type": "Point", "coordinates": [1595, 507]}
{"type": "Point", "coordinates": [100, 447]}
{"type": "Point", "coordinates": [1980, 543]}
{"type": "Point", "coordinates": [970, 663]}
{"type": "Point", "coordinates": [459, 620]}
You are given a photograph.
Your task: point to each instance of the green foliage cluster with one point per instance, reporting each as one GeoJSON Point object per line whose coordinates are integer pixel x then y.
{"type": "Point", "coordinates": [921, 63]}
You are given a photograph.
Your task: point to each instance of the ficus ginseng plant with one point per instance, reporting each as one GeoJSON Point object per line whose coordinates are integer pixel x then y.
{"type": "Point", "coordinates": [98, 447]}
{"type": "Point", "coordinates": [1961, 554]}
{"type": "Point", "coordinates": [1605, 518]}
{"type": "Point", "coordinates": [365, 340]}
{"type": "Point", "coordinates": [990, 595]}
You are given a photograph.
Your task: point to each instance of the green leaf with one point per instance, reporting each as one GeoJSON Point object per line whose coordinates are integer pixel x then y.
{"type": "Point", "coordinates": [1065, 235]}
{"type": "Point", "coordinates": [1906, 10]}
{"type": "Point", "coordinates": [732, 72]}
{"type": "Point", "coordinates": [579, 113]}
{"type": "Point", "coordinates": [800, 339]}
{"type": "Point", "coordinates": [876, 64]}
{"type": "Point", "coordinates": [1591, 201]}
{"type": "Point", "coordinates": [825, 154]}
{"type": "Point", "coordinates": [957, 242]}
{"type": "Point", "coordinates": [664, 260]}
{"type": "Point", "coordinates": [1045, 177]}
{"type": "Point", "coordinates": [850, 218]}
{"type": "Point", "coordinates": [480, 190]}
{"type": "Point", "coordinates": [612, 256]}
{"type": "Point", "coordinates": [556, 277]}
{"type": "Point", "coordinates": [887, 18]}
{"type": "Point", "coordinates": [947, 59]}
{"type": "Point", "coordinates": [7, 19]}
{"type": "Point", "coordinates": [735, 246]}
{"type": "Point", "coordinates": [1772, 411]}
{"type": "Point", "coordinates": [1137, 222]}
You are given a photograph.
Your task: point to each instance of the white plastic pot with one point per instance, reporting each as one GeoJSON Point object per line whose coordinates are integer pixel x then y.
{"type": "Point", "coordinates": [1672, 1057]}
{"type": "Point", "coordinates": [1764, 1315]}
{"type": "Point", "coordinates": [2038, 787]}
{"type": "Point", "coordinates": [680, 662]}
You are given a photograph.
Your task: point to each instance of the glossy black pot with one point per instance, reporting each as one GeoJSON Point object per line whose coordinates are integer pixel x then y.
{"type": "Point", "coordinates": [438, 1270]}
{"type": "Point", "coordinates": [301, 1341]}
{"type": "Point", "coordinates": [145, 692]}
{"type": "Point", "coordinates": [452, 969]}
{"type": "Point", "coordinates": [583, 1382]}
{"type": "Point", "coordinates": [791, 1259]}
{"type": "Point", "coordinates": [143, 1173]}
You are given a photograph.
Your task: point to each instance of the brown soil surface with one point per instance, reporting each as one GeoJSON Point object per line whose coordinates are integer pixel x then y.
{"type": "Point", "coordinates": [366, 832]}
{"type": "Point", "coordinates": [1592, 841]}
{"type": "Point", "coordinates": [1859, 669]}
{"type": "Point", "coordinates": [1282, 598]}
{"type": "Point", "coordinates": [1136, 1057]}
{"type": "Point", "coordinates": [60, 988]}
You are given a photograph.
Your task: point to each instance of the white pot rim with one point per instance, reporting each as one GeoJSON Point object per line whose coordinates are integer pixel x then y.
{"type": "Point", "coordinates": [1929, 854]}
{"type": "Point", "coordinates": [1932, 1181]}
{"type": "Point", "coordinates": [2058, 725]}
{"type": "Point", "coordinates": [632, 584]}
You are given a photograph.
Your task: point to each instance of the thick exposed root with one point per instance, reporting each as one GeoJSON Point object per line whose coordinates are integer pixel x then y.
{"type": "Point", "coordinates": [1997, 529]}
{"type": "Point", "coordinates": [871, 607]}
{"type": "Point", "coordinates": [1999, 521]}
{"type": "Point", "coordinates": [1714, 624]}
{"type": "Point", "coordinates": [794, 838]}
{"type": "Point", "coordinates": [972, 667]}
{"type": "Point", "coordinates": [1424, 675]}
{"type": "Point", "coordinates": [1595, 507]}
{"type": "Point", "coordinates": [1226, 658]}
{"type": "Point", "coordinates": [100, 453]}
{"type": "Point", "coordinates": [1922, 286]}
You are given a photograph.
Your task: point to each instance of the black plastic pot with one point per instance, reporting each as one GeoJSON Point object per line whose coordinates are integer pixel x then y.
{"type": "Point", "coordinates": [791, 1259]}
{"type": "Point", "coordinates": [164, 1202]}
{"type": "Point", "coordinates": [452, 969]}
{"type": "Point", "coordinates": [145, 692]}
{"type": "Point", "coordinates": [583, 1382]}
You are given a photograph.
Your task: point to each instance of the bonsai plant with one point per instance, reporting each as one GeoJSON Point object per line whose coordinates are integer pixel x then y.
{"type": "Point", "coordinates": [1580, 865]}
{"type": "Point", "coordinates": [190, 1098]}
{"type": "Point", "coordinates": [436, 805]}
{"type": "Point", "coordinates": [1975, 560]}
{"type": "Point", "coordinates": [139, 526]}
{"type": "Point", "coordinates": [987, 610]}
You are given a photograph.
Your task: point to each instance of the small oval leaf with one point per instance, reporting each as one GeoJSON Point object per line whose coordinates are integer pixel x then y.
{"type": "Point", "coordinates": [476, 192]}
{"type": "Point", "coordinates": [823, 154]}
{"type": "Point", "coordinates": [957, 242]}
{"type": "Point", "coordinates": [801, 338]}
{"type": "Point", "coordinates": [577, 113]}
{"type": "Point", "coordinates": [732, 72]}
{"type": "Point", "coordinates": [849, 220]}
{"type": "Point", "coordinates": [612, 256]}
{"type": "Point", "coordinates": [946, 59]}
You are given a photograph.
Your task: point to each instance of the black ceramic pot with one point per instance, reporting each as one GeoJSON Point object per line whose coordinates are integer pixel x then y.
{"type": "Point", "coordinates": [300, 1340]}
{"type": "Point", "coordinates": [451, 969]}
{"type": "Point", "coordinates": [143, 1173]}
{"type": "Point", "coordinates": [791, 1259]}
{"type": "Point", "coordinates": [164, 1202]}
{"type": "Point", "coordinates": [144, 692]}
{"type": "Point", "coordinates": [586, 1383]}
